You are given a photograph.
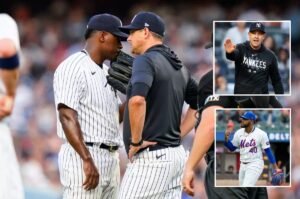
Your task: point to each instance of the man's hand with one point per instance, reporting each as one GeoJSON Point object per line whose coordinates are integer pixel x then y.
{"type": "Point", "coordinates": [188, 180]}
{"type": "Point", "coordinates": [134, 149]}
{"type": "Point", "coordinates": [6, 106]}
{"type": "Point", "coordinates": [91, 175]}
{"type": "Point", "coordinates": [229, 46]}
{"type": "Point", "coordinates": [229, 129]}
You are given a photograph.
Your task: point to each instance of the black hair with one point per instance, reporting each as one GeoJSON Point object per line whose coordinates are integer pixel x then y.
{"type": "Point", "coordinates": [88, 33]}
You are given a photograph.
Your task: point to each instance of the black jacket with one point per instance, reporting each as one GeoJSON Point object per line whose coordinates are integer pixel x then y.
{"type": "Point", "coordinates": [253, 68]}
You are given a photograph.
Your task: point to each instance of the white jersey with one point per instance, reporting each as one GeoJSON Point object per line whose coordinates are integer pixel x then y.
{"type": "Point", "coordinates": [251, 144]}
{"type": "Point", "coordinates": [11, 186]}
{"type": "Point", "coordinates": [81, 84]}
{"type": "Point", "coordinates": [8, 30]}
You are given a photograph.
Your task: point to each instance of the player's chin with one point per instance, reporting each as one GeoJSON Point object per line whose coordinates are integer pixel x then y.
{"type": "Point", "coordinates": [114, 55]}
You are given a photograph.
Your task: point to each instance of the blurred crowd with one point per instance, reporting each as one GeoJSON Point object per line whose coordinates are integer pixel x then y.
{"type": "Point", "coordinates": [51, 32]}
{"type": "Point", "coordinates": [268, 120]}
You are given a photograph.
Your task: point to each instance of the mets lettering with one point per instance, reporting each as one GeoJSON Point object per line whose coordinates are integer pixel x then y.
{"type": "Point", "coordinates": [258, 64]}
{"type": "Point", "coordinates": [244, 144]}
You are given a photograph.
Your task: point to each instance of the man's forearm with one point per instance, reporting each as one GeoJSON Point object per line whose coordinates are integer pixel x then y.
{"type": "Point", "coordinates": [188, 122]}
{"type": "Point", "coordinates": [73, 133]}
{"type": "Point", "coordinates": [204, 137]}
{"type": "Point", "coordinates": [10, 79]}
{"type": "Point", "coordinates": [121, 111]}
{"type": "Point", "coordinates": [137, 112]}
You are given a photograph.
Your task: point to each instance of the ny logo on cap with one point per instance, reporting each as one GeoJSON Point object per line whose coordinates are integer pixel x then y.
{"type": "Point", "coordinates": [146, 25]}
{"type": "Point", "coordinates": [258, 25]}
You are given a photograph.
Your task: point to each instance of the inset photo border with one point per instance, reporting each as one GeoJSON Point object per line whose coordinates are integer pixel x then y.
{"type": "Point", "coordinates": [250, 69]}
{"type": "Point", "coordinates": [244, 159]}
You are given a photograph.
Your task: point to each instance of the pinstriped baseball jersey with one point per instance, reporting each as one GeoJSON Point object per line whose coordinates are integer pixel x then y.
{"type": "Point", "coordinates": [251, 144]}
{"type": "Point", "coordinates": [81, 84]}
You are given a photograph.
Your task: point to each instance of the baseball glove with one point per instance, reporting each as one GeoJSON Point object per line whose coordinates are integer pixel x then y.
{"type": "Point", "coordinates": [120, 72]}
{"type": "Point", "coordinates": [277, 177]}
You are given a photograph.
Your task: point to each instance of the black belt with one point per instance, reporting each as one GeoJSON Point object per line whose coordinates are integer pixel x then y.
{"type": "Point", "coordinates": [156, 147]}
{"type": "Point", "coordinates": [245, 162]}
{"type": "Point", "coordinates": [159, 146]}
{"type": "Point", "coordinates": [103, 146]}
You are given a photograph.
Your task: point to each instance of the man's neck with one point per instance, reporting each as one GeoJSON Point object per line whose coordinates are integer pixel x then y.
{"type": "Point", "coordinates": [249, 129]}
{"type": "Point", "coordinates": [151, 44]}
{"type": "Point", "coordinates": [94, 54]}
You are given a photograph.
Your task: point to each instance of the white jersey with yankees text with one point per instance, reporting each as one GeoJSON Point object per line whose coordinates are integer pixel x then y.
{"type": "Point", "coordinates": [250, 144]}
{"type": "Point", "coordinates": [81, 84]}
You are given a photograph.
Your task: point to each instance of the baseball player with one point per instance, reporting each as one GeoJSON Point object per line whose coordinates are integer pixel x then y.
{"type": "Point", "coordinates": [254, 63]}
{"type": "Point", "coordinates": [203, 144]}
{"type": "Point", "coordinates": [250, 141]}
{"type": "Point", "coordinates": [88, 112]}
{"type": "Point", "coordinates": [10, 179]}
{"type": "Point", "coordinates": [158, 87]}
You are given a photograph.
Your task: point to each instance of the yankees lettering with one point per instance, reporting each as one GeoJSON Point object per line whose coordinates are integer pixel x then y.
{"type": "Point", "coordinates": [88, 112]}
{"type": "Point", "coordinates": [254, 64]}
{"type": "Point", "coordinates": [250, 141]}
{"type": "Point", "coordinates": [10, 178]}
{"type": "Point", "coordinates": [158, 87]}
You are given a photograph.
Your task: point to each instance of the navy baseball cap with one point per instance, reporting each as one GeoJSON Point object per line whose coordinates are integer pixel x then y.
{"type": "Point", "coordinates": [249, 115]}
{"type": "Point", "coordinates": [257, 26]}
{"type": "Point", "coordinates": [108, 23]}
{"type": "Point", "coordinates": [146, 19]}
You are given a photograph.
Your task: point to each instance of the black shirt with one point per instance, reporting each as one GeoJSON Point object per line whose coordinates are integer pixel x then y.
{"type": "Point", "coordinates": [253, 69]}
{"type": "Point", "coordinates": [160, 77]}
{"type": "Point", "coordinates": [206, 99]}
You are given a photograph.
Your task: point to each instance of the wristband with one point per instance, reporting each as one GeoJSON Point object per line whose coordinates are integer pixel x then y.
{"type": "Point", "coordinates": [136, 144]}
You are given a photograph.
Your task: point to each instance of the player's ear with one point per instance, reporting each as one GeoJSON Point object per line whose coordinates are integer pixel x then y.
{"type": "Point", "coordinates": [147, 32]}
{"type": "Point", "coordinates": [101, 36]}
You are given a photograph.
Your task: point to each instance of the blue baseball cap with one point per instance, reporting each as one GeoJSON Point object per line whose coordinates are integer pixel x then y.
{"type": "Point", "coordinates": [249, 115]}
{"type": "Point", "coordinates": [257, 26]}
{"type": "Point", "coordinates": [146, 19]}
{"type": "Point", "coordinates": [108, 23]}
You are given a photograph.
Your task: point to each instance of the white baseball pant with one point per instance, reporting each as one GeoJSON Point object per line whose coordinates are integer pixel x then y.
{"type": "Point", "coordinates": [11, 186]}
{"type": "Point", "coordinates": [154, 174]}
{"type": "Point", "coordinates": [250, 173]}
{"type": "Point", "coordinates": [72, 174]}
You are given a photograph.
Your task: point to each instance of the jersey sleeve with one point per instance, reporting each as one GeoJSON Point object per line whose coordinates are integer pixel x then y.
{"type": "Point", "coordinates": [224, 101]}
{"type": "Point", "coordinates": [275, 76]}
{"type": "Point", "coordinates": [265, 141]}
{"type": "Point", "coordinates": [191, 93]}
{"type": "Point", "coordinates": [235, 140]}
{"type": "Point", "coordinates": [142, 76]}
{"type": "Point", "coordinates": [10, 31]}
{"type": "Point", "coordinates": [69, 86]}
{"type": "Point", "coordinates": [205, 88]}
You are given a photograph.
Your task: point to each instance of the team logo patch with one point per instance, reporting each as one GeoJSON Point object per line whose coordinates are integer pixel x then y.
{"type": "Point", "coordinates": [212, 98]}
{"type": "Point", "coordinates": [258, 25]}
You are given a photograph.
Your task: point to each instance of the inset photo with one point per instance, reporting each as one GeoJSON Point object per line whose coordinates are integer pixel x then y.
{"type": "Point", "coordinates": [253, 148]}
{"type": "Point", "coordinates": [252, 57]}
